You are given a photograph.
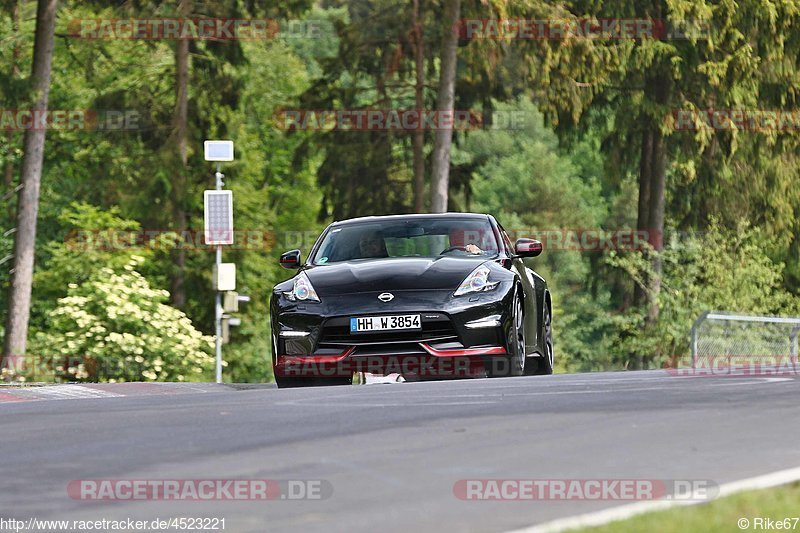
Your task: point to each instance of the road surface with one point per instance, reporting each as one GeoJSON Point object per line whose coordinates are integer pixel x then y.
{"type": "Point", "coordinates": [392, 453]}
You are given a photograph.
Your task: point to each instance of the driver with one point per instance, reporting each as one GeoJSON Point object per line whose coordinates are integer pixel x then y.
{"type": "Point", "coordinates": [371, 245]}
{"type": "Point", "coordinates": [473, 249]}
{"type": "Point", "coordinates": [462, 238]}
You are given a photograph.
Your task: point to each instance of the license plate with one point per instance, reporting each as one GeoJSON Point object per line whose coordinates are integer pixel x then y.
{"type": "Point", "coordinates": [384, 323]}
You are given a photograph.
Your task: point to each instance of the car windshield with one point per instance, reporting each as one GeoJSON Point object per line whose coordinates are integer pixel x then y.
{"type": "Point", "coordinates": [452, 237]}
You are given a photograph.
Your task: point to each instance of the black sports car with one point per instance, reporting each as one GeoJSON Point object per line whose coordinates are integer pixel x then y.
{"type": "Point", "coordinates": [421, 295]}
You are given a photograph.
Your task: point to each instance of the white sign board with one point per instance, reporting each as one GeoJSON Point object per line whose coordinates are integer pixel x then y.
{"type": "Point", "coordinates": [218, 150]}
{"type": "Point", "coordinates": [218, 207]}
{"type": "Point", "coordinates": [225, 277]}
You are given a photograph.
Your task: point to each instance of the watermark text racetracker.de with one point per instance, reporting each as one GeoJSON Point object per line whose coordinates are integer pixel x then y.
{"type": "Point", "coordinates": [575, 239]}
{"type": "Point", "coordinates": [399, 120]}
{"type": "Point", "coordinates": [70, 119]}
{"type": "Point", "coordinates": [59, 368]}
{"type": "Point", "coordinates": [736, 365]}
{"type": "Point", "coordinates": [740, 119]}
{"type": "Point", "coordinates": [603, 29]}
{"type": "Point", "coordinates": [342, 365]}
{"type": "Point", "coordinates": [585, 489]}
{"type": "Point", "coordinates": [197, 29]}
{"type": "Point", "coordinates": [199, 489]}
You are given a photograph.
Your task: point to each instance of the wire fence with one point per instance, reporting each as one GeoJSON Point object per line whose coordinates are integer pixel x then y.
{"type": "Point", "coordinates": [720, 336]}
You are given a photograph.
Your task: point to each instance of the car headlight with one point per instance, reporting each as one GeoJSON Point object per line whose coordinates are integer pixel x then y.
{"type": "Point", "coordinates": [302, 291]}
{"type": "Point", "coordinates": [477, 281]}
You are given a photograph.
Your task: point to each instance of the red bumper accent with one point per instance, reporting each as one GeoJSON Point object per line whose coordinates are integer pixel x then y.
{"type": "Point", "coordinates": [464, 352]}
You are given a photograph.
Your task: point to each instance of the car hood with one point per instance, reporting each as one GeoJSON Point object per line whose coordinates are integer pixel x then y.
{"type": "Point", "coordinates": [392, 274]}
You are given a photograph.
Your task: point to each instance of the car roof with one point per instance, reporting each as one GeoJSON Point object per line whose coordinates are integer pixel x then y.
{"type": "Point", "coordinates": [413, 216]}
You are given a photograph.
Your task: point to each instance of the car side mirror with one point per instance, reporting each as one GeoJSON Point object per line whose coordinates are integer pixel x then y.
{"type": "Point", "coordinates": [291, 259]}
{"type": "Point", "coordinates": [528, 247]}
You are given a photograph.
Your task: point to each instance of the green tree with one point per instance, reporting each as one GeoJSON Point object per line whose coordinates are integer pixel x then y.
{"type": "Point", "coordinates": [19, 300]}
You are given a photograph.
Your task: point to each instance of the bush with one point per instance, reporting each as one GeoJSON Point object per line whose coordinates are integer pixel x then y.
{"type": "Point", "coordinates": [116, 327]}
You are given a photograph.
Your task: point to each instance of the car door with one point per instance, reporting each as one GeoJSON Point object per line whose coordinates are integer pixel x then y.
{"type": "Point", "coordinates": [527, 278]}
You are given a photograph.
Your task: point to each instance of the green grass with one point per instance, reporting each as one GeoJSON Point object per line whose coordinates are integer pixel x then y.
{"type": "Point", "coordinates": [719, 515]}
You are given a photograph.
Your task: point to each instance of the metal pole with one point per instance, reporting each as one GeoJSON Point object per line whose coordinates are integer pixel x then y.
{"type": "Point", "coordinates": [793, 344]}
{"type": "Point", "coordinates": [218, 299]}
{"type": "Point", "coordinates": [695, 325]}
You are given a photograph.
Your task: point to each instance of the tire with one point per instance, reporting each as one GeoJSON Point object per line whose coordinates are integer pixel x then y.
{"type": "Point", "coordinates": [512, 364]}
{"type": "Point", "coordinates": [545, 362]}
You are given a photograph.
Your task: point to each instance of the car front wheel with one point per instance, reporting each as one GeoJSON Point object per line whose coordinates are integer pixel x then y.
{"type": "Point", "coordinates": [545, 362]}
{"type": "Point", "coordinates": [513, 363]}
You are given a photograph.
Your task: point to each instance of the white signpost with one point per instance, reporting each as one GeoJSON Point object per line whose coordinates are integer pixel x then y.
{"type": "Point", "coordinates": [218, 211]}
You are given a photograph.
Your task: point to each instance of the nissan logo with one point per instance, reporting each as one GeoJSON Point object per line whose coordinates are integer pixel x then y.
{"type": "Point", "coordinates": [386, 297]}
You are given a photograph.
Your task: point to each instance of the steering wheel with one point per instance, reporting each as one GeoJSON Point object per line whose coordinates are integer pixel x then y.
{"type": "Point", "coordinates": [453, 249]}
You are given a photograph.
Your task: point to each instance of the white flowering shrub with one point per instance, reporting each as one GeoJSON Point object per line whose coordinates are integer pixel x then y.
{"type": "Point", "coordinates": [116, 327]}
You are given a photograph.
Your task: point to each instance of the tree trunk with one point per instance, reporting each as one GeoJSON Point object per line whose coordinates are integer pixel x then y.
{"type": "Point", "coordinates": [419, 100]}
{"type": "Point", "coordinates": [657, 185]}
{"type": "Point", "coordinates": [181, 133]}
{"type": "Point", "coordinates": [16, 51]}
{"type": "Point", "coordinates": [19, 302]}
{"type": "Point", "coordinates": [658, 175]}
{"type": "Point", "coordinates": [440, 169]}
{"type": "Point", "coordinates": [643, 218]}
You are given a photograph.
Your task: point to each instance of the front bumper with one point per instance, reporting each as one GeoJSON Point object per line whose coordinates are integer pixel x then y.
{"type": "Point", "coordinates": [445, 346]}
{"type": "Point", "coordinates": [434, 363]}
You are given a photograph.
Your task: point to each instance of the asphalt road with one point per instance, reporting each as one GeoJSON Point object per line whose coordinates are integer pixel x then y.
{"type": "Point", "coordinates": [392, 453]}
